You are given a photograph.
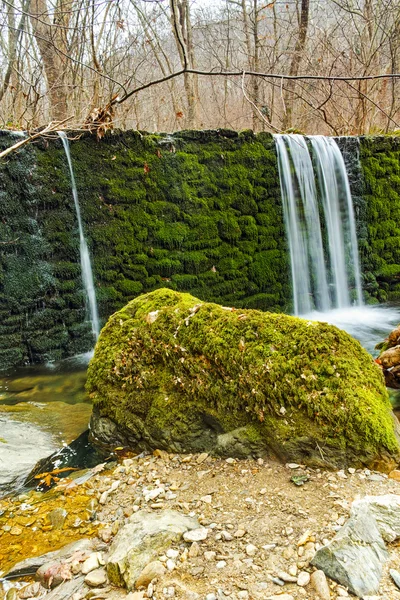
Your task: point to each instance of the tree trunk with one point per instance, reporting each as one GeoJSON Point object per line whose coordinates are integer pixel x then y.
{"type": "Point", "coordinates": [295, 64]}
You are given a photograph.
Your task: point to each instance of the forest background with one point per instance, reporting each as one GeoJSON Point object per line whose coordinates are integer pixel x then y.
{"type": "Point", "coordinates": [317, 66]}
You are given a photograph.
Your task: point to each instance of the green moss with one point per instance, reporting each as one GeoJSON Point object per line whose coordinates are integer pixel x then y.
{"type": "Point", "coordinates": [380, 161]}
{"type": "Point", "coordinates": [172, 369]}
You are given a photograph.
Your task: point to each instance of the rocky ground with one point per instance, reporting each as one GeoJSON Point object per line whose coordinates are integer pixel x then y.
{"type": "Point", "coordinates": [255, 529]}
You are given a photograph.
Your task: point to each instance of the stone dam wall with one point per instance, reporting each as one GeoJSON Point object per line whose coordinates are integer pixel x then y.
{"type": "Point", "coordinates": [196, 211]}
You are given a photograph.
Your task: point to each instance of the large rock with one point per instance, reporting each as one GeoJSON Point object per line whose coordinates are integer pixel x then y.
{"type": "Point", "coordinates": [175, 373]}
{"type": "Point", "coordinates": [138, 543]}
{"type": "Point", "coordinates": [356, 555]}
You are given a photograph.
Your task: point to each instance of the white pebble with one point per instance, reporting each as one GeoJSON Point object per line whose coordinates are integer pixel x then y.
{"type": "Point", "coordinates": [303, 579]}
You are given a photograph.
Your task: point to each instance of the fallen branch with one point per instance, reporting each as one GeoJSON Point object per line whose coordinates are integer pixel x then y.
{"type": "Point", "coordinates": [52, 126]}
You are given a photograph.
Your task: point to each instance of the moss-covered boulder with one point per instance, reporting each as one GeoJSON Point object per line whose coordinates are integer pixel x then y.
{"type": "Point", "coordinates": [175, 373]}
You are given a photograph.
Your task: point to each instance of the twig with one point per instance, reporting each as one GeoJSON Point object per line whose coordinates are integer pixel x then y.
{"type": "Point", "coordinates": [52, 126]}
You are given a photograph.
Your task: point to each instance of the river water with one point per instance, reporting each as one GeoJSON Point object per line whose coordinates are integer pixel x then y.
{"type": "Point", "coordinates": [42, 408]}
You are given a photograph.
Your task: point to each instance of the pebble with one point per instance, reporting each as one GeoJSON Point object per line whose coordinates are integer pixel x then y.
{"type": "Point", "coordinates": [194, 550]}
{"type": "Point", "coordinates": [150, 572]}
{"type": "Point", "coordinates": [221, 564]}
{"type": "Point", "coordinates": [320, 585]}
{"type": "Point", "coordinates": [96, 578]}
{"type": "Point", "coordinates": [195, 535]}
{"type": "Point", "coordinates": [286, 577]}
{"type": "Point", "coordinates": [251, 550]}
{"type": "Point", "coordinates": [239, 533]}
{"type": "Point", "coordinates": [230, 461]}
{"type": "Point", "coordinates": [201, 458]}
{"type": "Point", "coordinates": [172, 553]}
{"type": "Point", "coordinates": [90, 564]}
{"type": "Point", "coordinates": [206, 499]}
{"type": "Point", "coordinates": [211, 597]}
{"type": "Point", "coordinates": [170, 564]}
{"type": "Point", "coordinates": [226, 536]}
{"type": "Point", "coordinates": [303, 578]}
{"type": "Point", "coordinates": [281, 597]}
{"type": "Point", "coordinates": [210, 555]}
{"type": "Point", "coordinates": [30, 591]}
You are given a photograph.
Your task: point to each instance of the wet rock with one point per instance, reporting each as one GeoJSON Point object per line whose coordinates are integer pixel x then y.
{"type": "Point", "coordinates": [390, 358]}
{"type": "Point", "coordinates": [31, 565]}
{"type": "Point", "coordinates": [96, 578]}
{"type": "Point", "coordinates": [320, 585]}
{"type": "Point", "coordinates": [57, 517]}
{"type": "Point", "coordinates": [355, 557]}
{"type": "Point", "coordinates": [146, 535]}
{"type": "Point", "coordinates": [153, 570]}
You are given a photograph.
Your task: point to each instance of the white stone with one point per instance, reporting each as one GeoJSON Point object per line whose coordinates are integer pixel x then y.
{"type": "Point", "coordinates": [206, 499]}
{"type": "Point", "coordinates": [251, 550]}
{"type": "Point", "coordinates": [196, 535]}
{"type": "Point", "coordinates": [90, 564]}
{"type": "Point", "coordinates": [171, 553]}
{"type": "Point", "coordinates": [221, 564]}
{"type": "Point", "coordinates": [170, 564]}
{"type": "Point", "coordinates": [303, 578]}
{"type": "Point", "coordinates": [96, 578]}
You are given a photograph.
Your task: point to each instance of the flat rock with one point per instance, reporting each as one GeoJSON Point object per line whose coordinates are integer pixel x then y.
{"type": "Point", "coordinates": [141, 540]}
{"type": "Point", "coordinates": [355, 557]}
{"type": "Point", "coordinates": [395, 575]}
{"type": "Point", "coordinates": [66, 590]}
{"type": "Point", "coordinates": [29, 566]}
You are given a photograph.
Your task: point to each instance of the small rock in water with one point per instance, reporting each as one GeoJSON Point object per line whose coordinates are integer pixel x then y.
{"type": "Point", "coordinates": [96, 578]}
{"type": "Point", "coordinates": [320, 585]}
{"type": "Point", "coordinates": [57, 517]}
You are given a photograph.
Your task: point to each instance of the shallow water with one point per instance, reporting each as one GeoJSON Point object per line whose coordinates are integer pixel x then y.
{"type": "Point", "coordinates": [367, 324]}
{"type": "Point", "coordinates": [41, 409]}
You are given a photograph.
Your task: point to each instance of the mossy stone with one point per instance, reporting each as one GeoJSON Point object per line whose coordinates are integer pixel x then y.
{"type": "Point", "coordinates": [173, 372]}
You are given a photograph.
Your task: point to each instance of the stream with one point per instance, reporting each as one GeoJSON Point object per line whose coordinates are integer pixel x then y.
{"type": "Point", "coordinates": [42, 408]}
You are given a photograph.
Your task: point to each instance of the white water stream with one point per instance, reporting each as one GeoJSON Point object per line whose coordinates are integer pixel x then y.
{"type": "Point", "coordinates": [324, 276]}
{"type": "Point", "coordinates": [87, 274]}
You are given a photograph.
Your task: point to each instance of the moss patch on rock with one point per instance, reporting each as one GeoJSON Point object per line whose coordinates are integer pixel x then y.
{"type": "Point", "coordinates": [173, 372]}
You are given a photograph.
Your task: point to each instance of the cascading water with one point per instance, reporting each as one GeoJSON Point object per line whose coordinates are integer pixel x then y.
{"type": "Point", "coordinates": [321, 279]}
{"type": "Point", "coordinates": [87, 275]}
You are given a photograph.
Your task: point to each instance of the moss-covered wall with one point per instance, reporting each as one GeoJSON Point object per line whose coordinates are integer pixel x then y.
{"type": "Point", "coordinates": [380, 254]}
{"type": "Point", "coordinates": [196, 211]}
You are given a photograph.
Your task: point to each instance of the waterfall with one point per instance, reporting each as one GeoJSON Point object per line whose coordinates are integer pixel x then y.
{"type": "Point", "coordinates": [320, 224]}
{"type": "Point", "coordinates": [87, 275]}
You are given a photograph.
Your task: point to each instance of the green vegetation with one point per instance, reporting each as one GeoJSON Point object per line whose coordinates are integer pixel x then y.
{"type": "Point", "coordinates": [380, 160]}
{"type": "Point", "coordinates": [176, 373]}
